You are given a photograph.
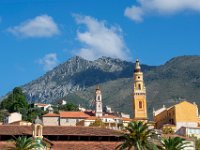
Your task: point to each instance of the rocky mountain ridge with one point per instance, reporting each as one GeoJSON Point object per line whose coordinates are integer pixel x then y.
{"type": "Point", "coordinates": [76, 80]}
{"type": "Point", "coordinates": [76, 74]}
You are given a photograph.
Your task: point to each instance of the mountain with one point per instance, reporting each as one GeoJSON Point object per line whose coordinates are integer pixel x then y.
{"type": "Point", "coordinates": [77, 74]}
{"type": "Point", "coordinates": [76, 80]}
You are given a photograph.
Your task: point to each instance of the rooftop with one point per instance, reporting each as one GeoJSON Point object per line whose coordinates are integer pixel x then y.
{"type": "Point", "coordinates": [127, 119]}
{"type": "Point", "coordinates": [59, 130]}
{"type": "Point", "coordinates": [73, 114]}
{"type": "Point", "coordinates": [74, 145]}
{"type": "Point", "coordinates": [85, 145]}
{"type": "Point", "coordinates": [110, 116]}
{"type": "Point", "coordinates": [51, 115]}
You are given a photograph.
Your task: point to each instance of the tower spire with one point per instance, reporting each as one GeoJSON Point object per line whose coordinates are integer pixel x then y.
{"type": "Point", "coordinates": [137, 66]}
{"type": "Point", "coordinates": [97, 88]}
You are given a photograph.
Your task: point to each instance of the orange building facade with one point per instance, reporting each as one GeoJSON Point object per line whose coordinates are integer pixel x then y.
{"type": "Point", "coordinates": [182, 114]}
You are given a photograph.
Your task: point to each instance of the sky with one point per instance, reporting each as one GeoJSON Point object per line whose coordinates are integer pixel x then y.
{"type": "Point", "coordinates": [37, 35]}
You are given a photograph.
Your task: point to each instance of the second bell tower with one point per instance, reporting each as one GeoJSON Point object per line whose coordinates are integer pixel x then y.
{"type": "Point", "coordinates": [99, 105]}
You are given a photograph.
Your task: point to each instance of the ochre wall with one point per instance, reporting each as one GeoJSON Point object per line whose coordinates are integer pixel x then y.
{"type": "Point", "coordinates": [182, 112]}
{"type": "Point", "coordinates": [186, 112]}
{"type": "Point", "coordinates": [140, 112]}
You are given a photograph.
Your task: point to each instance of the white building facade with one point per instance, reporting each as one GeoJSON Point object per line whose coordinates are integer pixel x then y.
{"type": "Point", "coordinates": [13, 117]}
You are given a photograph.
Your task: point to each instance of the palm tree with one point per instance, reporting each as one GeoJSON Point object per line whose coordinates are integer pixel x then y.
{"type": "Point", "coordinates": [24, 143]}
{"type": "Point", "coordinates": [197, 144]}
{"type": "Point", "coordinates": [174, 143]}
{"type": "Point", "coordinates": [139, 136]}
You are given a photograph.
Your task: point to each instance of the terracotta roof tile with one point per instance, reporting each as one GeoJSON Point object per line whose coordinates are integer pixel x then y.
{"type": "Point", "coordinates": [58, 130]}
{"type": "Point", "coordinates": [73, 114]}
{"type": "Point", "coordinates": [76, 145]}
{"type": "Point", "coordinates": [85, 145]}
{"type": "Point", "coordinates": [15, 130]}
{"type": "Point", "coordinates": [51, 115]}
{"type": "Point", "coordinates": [127, 119]}
{"type": "Point", "coordinates": [86, 131]}
{"type": "Point", "coordinates": [5, 145]}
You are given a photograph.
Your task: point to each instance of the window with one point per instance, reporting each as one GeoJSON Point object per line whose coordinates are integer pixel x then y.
{"type": "Point", "coordinates": [198, 131]}
{"type": "Point", "coordinates": [140, 104]}
{"type": "Point", "coordinates": [171, 121]}
{"type": "Point", "coordinates": [139, 86]}
{"type": "Point", "coordinates": [38, 130]}
{"type": "Point", "coordinates": [98, 97]}
{"type": "Point", "coordinates": [67, 120]}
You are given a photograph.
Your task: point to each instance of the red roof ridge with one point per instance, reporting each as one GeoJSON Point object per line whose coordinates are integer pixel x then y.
{"type": "Point", "coordinates": [73, 114]}
{"type": "Point", "coordinates": [51, 115]}
{"type": "Point", "coordinates": [126, 119]}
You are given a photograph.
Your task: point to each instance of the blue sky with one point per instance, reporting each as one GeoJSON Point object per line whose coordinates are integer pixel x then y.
{"type": "Point", "coordinates": [36, 35]}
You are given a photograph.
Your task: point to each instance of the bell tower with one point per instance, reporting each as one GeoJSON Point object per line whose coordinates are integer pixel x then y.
{"type": "Point", "coordinates": [139, 95]}
{"type": "Point", "coordinates": [98, 100]}
{"type": "Point", "coordinates": [37, 130]}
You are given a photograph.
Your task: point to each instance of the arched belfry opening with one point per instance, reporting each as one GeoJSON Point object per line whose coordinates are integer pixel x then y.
{"type": "Point", "coordinates": [38, 130]}
{"type": "Point", "coordinates": [140, 105]}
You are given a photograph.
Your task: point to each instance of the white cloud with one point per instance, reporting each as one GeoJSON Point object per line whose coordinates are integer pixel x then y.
{"type": "Point", "coordinates": [40, 26]}
{"type": "Point", "coordinates": [162, 7]}
{"type": "Point", "coordinates": [49, 61]}
{"type": "Point", "coordinates": [134, 13]}
{"type": "Point", "coordinates": [100, 40]}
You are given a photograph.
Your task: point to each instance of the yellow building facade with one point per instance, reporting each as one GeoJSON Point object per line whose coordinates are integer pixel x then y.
{"type": "Point", "coordinates": [182, 114]}
{"type": "Point", "coordinates": [139, 95]}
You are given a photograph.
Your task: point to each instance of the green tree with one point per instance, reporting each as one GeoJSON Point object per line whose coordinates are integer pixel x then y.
{"type": "Point", "coordinates": [97, 123]}
{"type": "Point", "coordinates": [174, 143]}
{"type": "Point", "coordinates": [7, 103]}
{"type": "Point", "coordinates": [139, 136]}
{"type": "Point", "coordinates": [24, 143]}
{"type": "Point", "coordinates": [15, 101]}
{"type": "Point", "coordinates": [3, 114]}
{"type": "Point", "coordinates": [69, 107]}
{"type": "Point", "coordinates": [33, 112]}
